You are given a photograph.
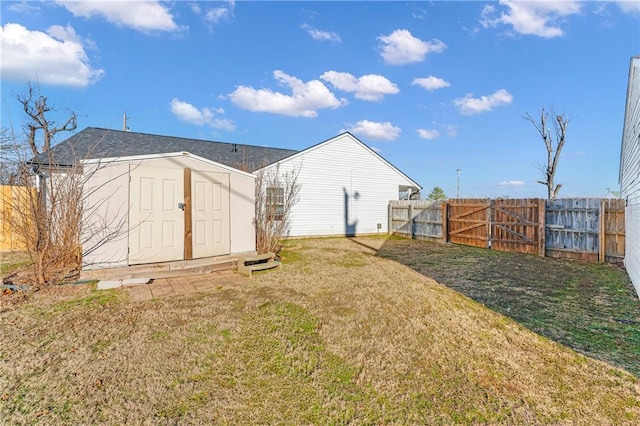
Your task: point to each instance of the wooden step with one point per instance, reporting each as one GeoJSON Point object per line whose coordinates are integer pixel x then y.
{"type": "Point", "coordinates": [257, 262]}
{"type": "Point", "coordinates": [248, 270]}
{"type": "Point", "coordinates": [248, 260]}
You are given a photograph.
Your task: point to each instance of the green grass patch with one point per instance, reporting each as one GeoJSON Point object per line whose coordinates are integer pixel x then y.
{"type": "Point", "coordinates": [97, 299]}
{"type": "Point", "coordinates": [281, 363]}
{"type": "Point", "coordinates": [12, 261]}
{"type": "Point", "coordinates": [291, 252]}
{"type": "Point", "coordinates": [7, 268]}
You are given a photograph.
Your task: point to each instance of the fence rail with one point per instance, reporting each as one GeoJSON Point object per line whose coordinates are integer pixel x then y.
{"type": "Point", "coordinates": [579, 228]}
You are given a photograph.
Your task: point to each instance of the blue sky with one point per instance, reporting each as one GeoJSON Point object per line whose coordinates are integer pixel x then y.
{"type": "Point", "coordinates": [432, 86]}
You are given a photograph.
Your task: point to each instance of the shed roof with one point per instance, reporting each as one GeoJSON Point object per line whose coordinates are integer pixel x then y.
{"type": "Point", "coordinates": [96, 143]}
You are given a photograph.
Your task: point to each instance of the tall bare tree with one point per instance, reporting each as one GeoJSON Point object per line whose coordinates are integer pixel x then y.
{"type": "Point", "coordinates": [553, 143]}
{"type": "Point", "coordinates": [46, 204]}
{"type": "Point", "coordinates": [39, 122]}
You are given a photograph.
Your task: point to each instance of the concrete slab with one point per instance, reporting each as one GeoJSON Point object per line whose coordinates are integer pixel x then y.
{"type": "Point", "coordinates": [135, 281]}
{"type": "Point", "coordinates": [109, 284]}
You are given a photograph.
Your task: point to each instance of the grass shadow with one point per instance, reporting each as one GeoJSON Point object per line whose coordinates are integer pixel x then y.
{"type": "Point", "coordinates": [590, 307]}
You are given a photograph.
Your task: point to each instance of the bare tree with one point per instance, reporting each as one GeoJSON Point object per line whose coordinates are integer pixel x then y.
{"type": "Point", "coordinates": [276, 194]}
{"type": "Point", "coordinates": [553, 145]}
{"type": "Point", "coordinates": [46, 205]}
{"type": "Point", "coordinates": [37, 109]}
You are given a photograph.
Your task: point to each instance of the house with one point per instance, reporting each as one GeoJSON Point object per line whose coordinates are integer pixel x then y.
{"type": "Point", "coordinates": [345, 188]}
{"type": "Point", "coordinates": [151, 198]}
{"type": "Point", "coordinates": [630, 174]}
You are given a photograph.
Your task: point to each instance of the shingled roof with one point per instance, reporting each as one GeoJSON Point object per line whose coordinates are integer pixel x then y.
{"type": "Point", "coordinates": [96, 143]}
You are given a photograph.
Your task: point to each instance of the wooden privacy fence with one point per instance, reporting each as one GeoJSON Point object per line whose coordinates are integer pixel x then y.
{"type": "Point", "coordinates": [580, 228]}
{"type": "Point", "coordinates": [13, 205]}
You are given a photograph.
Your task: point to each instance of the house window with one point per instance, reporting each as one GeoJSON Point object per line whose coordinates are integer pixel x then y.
{"type": "Point", "coordinates": [275, 203]}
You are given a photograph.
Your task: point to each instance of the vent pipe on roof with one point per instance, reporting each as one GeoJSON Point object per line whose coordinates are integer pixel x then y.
{"type": "Point", "coordinates": [124, 122]}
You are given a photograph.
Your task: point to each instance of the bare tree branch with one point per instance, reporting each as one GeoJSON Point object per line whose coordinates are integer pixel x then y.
{"type": "Point", "coordinates": [36, 107]}
{"type": "Point", "coordinates": [276, 194]}
{"type": "Point", "coordinates": [553, 146]}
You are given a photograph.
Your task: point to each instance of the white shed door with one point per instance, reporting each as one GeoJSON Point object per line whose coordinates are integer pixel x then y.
{"type": "Point", "coordinates": [210, 213]}
{"type": "Point", "coordinates": [156, 221]}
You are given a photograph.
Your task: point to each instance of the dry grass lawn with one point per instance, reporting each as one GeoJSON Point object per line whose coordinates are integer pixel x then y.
{"type": "Point", "coordinates": [338, 336]}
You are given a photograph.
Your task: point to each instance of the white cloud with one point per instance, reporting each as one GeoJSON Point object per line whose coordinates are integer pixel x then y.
{"type": "Point", "coordinates": [452, 130]}
{"type": "Point", "coordinates": [64, 33]}
{"type": "Point", "coordinates": [321, 35]}
{"type": "Point", "coordinates": [428, 133]}
{"type": "Point", "coordinates": [219, 14]}
{"type": "Point", "coordinates": [370, 87]}
{"type": "Point", "coordinates": [400, 47]}
{"type": "Point", "coordinates": [540, 18]}
{"type": "Point", "coordinates": [511, 183]}
{"type": "Point", "coordinates": [23, 7]}
{"type": "Point", "coordinates": [304, 100]}
{"type": "Point", "coordinates": [200, 117]}
{"type": "Point", "coordinates": [430, 83]}
{"type": "Point", "coordinates": [56, 57]}
{"type": "Point", "coordinates": [470, 105]}
{"type": "Point", "coordinates": [142, 16]}
{"type": "Point", "coordinates": [374, 130]}
{"type": "Point", "coordinates": [631, 7]}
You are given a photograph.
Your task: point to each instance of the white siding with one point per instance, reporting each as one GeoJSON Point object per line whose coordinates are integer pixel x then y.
{"type": "Point", "coordinates": [630, 174]}
{"type": "Point", "coordinates": [242, 205]}
{"type": "Point", "coordinates": [345, 188]}
{"type": "Point", "coordinates": [105, 225]}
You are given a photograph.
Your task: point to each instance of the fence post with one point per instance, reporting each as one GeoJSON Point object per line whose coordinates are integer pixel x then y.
{"type": "Point", "coordinates": [389, 218]}
{"type": "Point", "coordinates": [445, 230]}
{"type": "Point", "coordinates": [542, 227]}
{"type": "Point", "coordinates": [602, 231]}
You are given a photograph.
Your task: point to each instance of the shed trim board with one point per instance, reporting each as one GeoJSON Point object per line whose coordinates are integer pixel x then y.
{"type": "Point", "coordinates": [167, 155]}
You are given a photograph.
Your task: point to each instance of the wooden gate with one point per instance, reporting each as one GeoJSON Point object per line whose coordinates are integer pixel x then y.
{"type": "Point", "coordinates": [612, 231]}
{"type": "Point", "coordinates": [505, 225]}
{"type": "Point", "coordinates": [517, 225]}
{"type": "Point", "coordinates": [469, 221]}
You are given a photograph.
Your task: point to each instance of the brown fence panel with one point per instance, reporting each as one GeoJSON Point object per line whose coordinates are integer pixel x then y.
{"type": "Point", "coordinates": [515, 225]}
{"type": "Point", "coordinates": [13, 211]}
{"type": "Point", "coordinates": [469, 221]}
{"type": "Point", "coordinates": [591, 229]}
{"type": "Point", "coordinates": [612, 233]}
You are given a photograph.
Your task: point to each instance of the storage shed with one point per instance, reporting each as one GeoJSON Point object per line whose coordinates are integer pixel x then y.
{"type": "Point", "coordinates": [150, 198]}
{"type": "Point", "coordinates": [164, 207]}
{"type": "Point", "coordinates": [630, 173]}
